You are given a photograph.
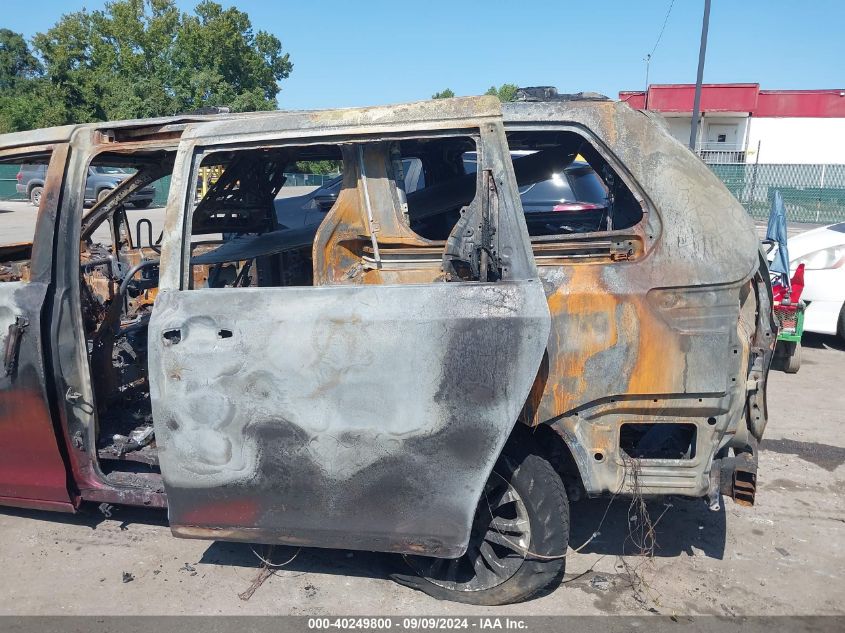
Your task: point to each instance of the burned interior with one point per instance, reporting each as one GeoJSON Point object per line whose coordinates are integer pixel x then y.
{"type": "Point", "coordinates": [237, 241]}
{"type": "Point", "coordinates": [118, 284]}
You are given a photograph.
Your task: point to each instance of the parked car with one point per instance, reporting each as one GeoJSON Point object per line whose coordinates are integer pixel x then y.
{"type": "Point", "coordinates": [309, 209]}
{"type": "Point", "coordinates": [101, 181]}
{"type": "Point", "coordinates": [822, 251]}
{"type": "Point", "coordinates": [415, 374]}
{"type": "Point", "coordinates": [571, 201]}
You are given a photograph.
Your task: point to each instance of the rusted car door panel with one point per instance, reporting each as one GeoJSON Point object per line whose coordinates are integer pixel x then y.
{"type": "Point", "coordinates": [345, 416]}
{"type": "Point", "coordinates": [31, 467]}
{"type": "Point", "coordinates": [32, 470]}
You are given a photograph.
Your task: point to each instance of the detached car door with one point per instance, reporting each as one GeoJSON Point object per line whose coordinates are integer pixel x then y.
{"type": "Point", "coordinates": [32, 471]}
{"type": "Point", "coordinates": [354, 414]}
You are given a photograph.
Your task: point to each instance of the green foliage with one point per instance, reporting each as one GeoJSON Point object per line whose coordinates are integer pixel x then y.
{"type": "Point", "coordinates": [505, 92]}
{"type": "Point", "coordinates": [31, 105]}
{"type": "Point", "coordinates": [318, 167]}
{"type": "Point", "coordinates": [139, 58]}
{"type": "Point", "coordinates": [26, 98]}
{"type": "Point", "coordinates": [17, 63]}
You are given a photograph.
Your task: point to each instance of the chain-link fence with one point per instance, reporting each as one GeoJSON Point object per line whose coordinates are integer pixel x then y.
{"type": "Point", "coordinates": [308, 180]}
{"type": "Point", "coordinates": [811, 193]}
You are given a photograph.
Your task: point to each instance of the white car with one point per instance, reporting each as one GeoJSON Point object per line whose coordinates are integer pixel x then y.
{"type": "Point", "coordinates": [822, 251]}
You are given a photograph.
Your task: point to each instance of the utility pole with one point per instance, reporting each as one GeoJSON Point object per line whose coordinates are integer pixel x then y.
{"type": "Point", "coordinates": [702, 51]}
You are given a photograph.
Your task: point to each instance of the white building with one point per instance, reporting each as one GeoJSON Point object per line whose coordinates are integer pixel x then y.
{"type": "Point", "coordinates": [742, 124]}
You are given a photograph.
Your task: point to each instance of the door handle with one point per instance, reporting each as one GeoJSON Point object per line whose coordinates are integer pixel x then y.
{"type": "Point", "coordinates": [13, 344]}
{"type": "Point", "coordinates": [172, 336]}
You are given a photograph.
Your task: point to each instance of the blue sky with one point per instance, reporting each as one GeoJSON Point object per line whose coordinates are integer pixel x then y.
{"type": "Point", "coordinates": [367, 52]}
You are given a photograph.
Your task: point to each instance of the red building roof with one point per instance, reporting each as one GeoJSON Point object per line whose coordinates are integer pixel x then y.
{"type": "Point", "coordinates": [740, 98]}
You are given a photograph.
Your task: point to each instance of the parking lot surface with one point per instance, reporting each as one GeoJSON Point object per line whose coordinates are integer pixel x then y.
{"type": "Point", "coordinates": [783, 556]}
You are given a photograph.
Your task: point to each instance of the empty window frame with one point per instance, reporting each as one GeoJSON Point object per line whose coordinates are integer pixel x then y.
{"type": "Point", "coordinates": [21, 185]}
{"type": "Point", "coordinates": [567, 187]}
{"type": "Point", "coordinates": [391, 197]}
{"type": "Point", "coordinates": [121, 232]}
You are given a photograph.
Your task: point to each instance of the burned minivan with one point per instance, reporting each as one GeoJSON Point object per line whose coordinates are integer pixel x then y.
{"type": "Point", "coordinates": [419, 370]}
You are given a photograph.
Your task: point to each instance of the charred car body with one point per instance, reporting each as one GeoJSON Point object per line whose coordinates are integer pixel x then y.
{"type": "Point", "coordinates": [416, 374]}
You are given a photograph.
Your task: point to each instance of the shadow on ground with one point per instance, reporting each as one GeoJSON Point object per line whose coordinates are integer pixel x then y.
{"type": "Point", "coordinates": [684, 525]}
{"type": "Point", "coordinates": [825, 456]}
{"type": "Point", "coordinates": [91, 516]}
{"type": "Point", "coordinates": [309, 560]}
{"type": "Point", "coordinates": [822, 341]}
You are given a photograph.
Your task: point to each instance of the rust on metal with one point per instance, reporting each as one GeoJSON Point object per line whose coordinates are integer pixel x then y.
{"type": "Point", "coordinates": [416, 352]}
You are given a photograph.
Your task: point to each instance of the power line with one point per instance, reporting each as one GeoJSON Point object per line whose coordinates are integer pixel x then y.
{"type": "Point", "coordinates": [662, 28]}
{"type": "Point", "coordinates": [647, 59]}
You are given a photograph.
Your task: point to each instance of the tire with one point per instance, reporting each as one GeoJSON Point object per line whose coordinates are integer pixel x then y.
{"type": "Point", "coordinates": [141, 204]}
{"type": "Point", "coordinates": [35, 195]}
{"type": "Point", "coordinates": [102, 195]}
{"type": "Point", "coordinates": [792, 363]}
{"type": "Point", "coordinates": [523, 485]}
{"type": "Point", "coordinates": [840, 326]}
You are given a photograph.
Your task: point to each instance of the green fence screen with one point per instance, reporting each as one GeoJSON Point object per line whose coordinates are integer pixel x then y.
{"type": "Point", "coordinates": [812, 193]}
{"type": "Point", "coordinates": [8, 181]}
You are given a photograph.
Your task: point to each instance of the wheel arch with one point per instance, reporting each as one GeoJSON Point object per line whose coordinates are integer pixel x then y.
{"type": "Point", "coordinates": [563, 450]}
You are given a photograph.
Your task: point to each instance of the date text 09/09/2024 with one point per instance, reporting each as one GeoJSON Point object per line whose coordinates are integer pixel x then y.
{"type": "Point", "coordinates": [417, 623]}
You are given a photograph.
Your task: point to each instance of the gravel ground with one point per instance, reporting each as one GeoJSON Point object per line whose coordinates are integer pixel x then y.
{"type": "Point", "coordinates": [783, 556]}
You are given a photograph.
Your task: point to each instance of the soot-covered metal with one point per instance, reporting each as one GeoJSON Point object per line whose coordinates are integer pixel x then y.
{"type": "Point", "coordinates": [351, 383]}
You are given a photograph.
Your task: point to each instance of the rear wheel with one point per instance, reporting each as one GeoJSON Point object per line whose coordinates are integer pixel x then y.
{"type": "Point", "coordinates": [35, 195]}
{"type": "Point", "coordinates": [520, 532]}
{"type": "Point", "coordinates": [142, 204]}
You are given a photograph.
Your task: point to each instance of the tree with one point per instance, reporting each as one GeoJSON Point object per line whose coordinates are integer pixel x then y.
{"type": "Point", "coordinates": [26, 99]}
{"type": "Point", "coordinates": [505, 92]}
{"type": "Point", "coordinates": [443, 94]}
{"type": "Point", "coordinates": [142, 58]}
{"type": "Point", "coordinates": [17, 63]}
{"type": "Point", "coordinates": [323, 167]}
